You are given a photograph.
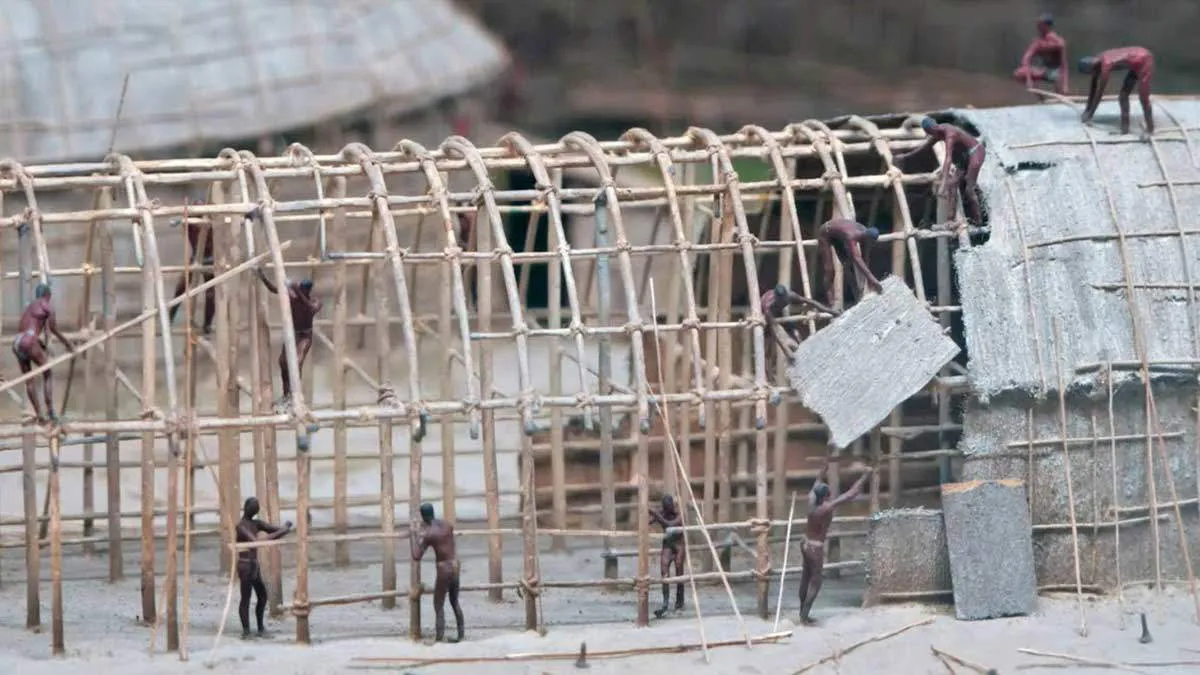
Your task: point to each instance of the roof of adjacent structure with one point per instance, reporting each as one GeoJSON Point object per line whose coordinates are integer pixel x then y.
{"type": "Point", "coordinates": [212, 70]}
{"type": "Point", "coordinates": [1054, 260]}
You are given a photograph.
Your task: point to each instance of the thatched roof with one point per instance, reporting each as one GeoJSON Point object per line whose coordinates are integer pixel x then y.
{"type": "Point", "coordinates": [215, 70]}
{"type": "Point", "coordinates": [1061, 189]}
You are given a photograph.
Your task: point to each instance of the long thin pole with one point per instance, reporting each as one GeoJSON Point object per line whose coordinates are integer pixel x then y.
{"type": "Point", "coordinates": [787, 545]}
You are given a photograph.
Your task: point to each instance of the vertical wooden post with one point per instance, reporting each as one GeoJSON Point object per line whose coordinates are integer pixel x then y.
{"type": "Point", "coordinates": [337, 241]}
{"type": "Point", "coordinates": [944, 213]}
{"type": "Point", "coordinates": [643, 522]}
{"type": "Point", "coordinates": [446, 378]}
{"type": "Point", "coordinates": [58, 646]}
{"type": "Point", "coordinates": [724, 358]}
{"type": "Point", "coordinates": [483, 275]}
{"type": "Point", "coordinates": [33, 608]}
{"type": "Point", "coordinates": [149, 395]}
{"type": "Point", "coordinates": [303, 485]}
{"type": "Point", "coordinates": [608, 508]}
{"type": "Point", "coordinates": [112, 444]}
{"type": "Point", "coordinates": [225, 251]}
{"type": "Point", "coordinates": [715, 223]}
{"type": "Point", "coordinates": [558, 469]}
{"type": "Point", "coordinates": [387, 485]}
{"type": "Point", "coordinates": [762, 531]}
{"type": "Point", "coordinates": [742, 447]}
{"type": "Point", "coordinates": [88, 365]}
{"type": "Point", "coordinates": [529, 533]}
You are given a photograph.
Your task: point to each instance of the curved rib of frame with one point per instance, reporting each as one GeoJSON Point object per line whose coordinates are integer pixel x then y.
{"type": "Point", "coordinates": [682, 244]}
{"type": "Point", "coordinates": [453, 254]}
{"type": "Point", "coordinates": [465, 149]}
{"type": "Point", "coordinates": [521, 146]}
{"type": "Point", "coordinates": [713, 142]}
{"type": "Point", "coordinates": [591, 147]}
{"type": "Point", "coordinates": [379, 194]}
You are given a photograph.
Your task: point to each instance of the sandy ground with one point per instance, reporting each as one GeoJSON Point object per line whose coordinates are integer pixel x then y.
{"type": "Point", "coordinates": [103, 634]}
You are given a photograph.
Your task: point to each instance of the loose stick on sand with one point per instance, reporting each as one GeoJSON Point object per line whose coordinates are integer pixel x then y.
{"type": "Point", "coordinates": [861, 643]}
{"type": "Point", "coordinates": [687, 483]}
{"type": "Point", "coordinates": [414, 662]}
{"type": "Point", "coordinates": [787, 545]}
{"type": "Point", "coordinates": [1099, 663]}
{"type": "Point", "coordinates": [943, 654]}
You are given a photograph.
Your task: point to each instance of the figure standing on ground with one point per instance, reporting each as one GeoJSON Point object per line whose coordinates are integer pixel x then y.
{"type": "Point", "coordinates": [1139, 63]}
{"type": "Point", "coordinates": [200, 236]}
{"type": "Point", "coordinates": [852, 241]}
{"type": "Point", "coordinates": [304, 308]}
{"type": "Point", "coordinates": [674, 550]}
{"type": "Point", "coordinates": [965, 152]}
{"type": "Point", "coordinates": [30, 351]}
{"type": "Point", "coordinates": [820, 517]}
{"type": "Point", "coordinates": [439, 535]}
{"type": "Point", "coordinates": [773, 302]}
{"type": "Point", "coordinates": [1051, 50]}
{"type": "Point", "coordinates": [249, 574]}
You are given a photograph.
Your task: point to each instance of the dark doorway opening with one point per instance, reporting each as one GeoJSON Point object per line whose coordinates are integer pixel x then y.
{"type": "Point", "coordinates": [533, 234]}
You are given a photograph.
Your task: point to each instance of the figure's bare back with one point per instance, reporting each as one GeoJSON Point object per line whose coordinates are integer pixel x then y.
{"type": "Point", "coordinates": [440, 536]}
{"type": "Point", "coordinates": [35, 316]}
{"type": "Point", "coordinates": [819, 520]}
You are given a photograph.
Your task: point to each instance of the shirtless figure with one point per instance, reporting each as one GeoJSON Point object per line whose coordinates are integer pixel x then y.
{"type": "Point", "coordinates": [853, 242]}
{"type": "Point", "coordinates": [773, 302]}
{"type": "Point", "coordinates": [673, 550]}
{"type": "Point", "coordinates": [1049, 48]}
{"type": "Point", "coordinates": [27, 346]}
{"type": "Point", "coordinates": [966, 153]}
{"type": "Point", "coordinates": [248, 571]}
{"type": "Point", "coordinates": [439, 535]}
{"type": "Point", "coordinates": [199, 236]}
{"type": "Point", "coordinates": [820, 516]}
{"type": "Point", "coordinates": [1139, 63]}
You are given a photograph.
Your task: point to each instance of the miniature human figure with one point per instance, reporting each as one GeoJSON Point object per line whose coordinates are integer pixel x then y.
{"type": "Point", "coordinates": [439, 535]}
{"type": "Point", "coordinates": [198, 232]}
{"type": "Point", "coordinates": [773, 302]}
{"type": "Point", "coordinates": [466, 226]}
{"type": "Point", "coordinates": [1049, 48]}
{"type": "Point", "coordinates": [820, 516]}
{"type": "Point", "coordinates": [30, 351]}
{"type": "Point", "coordinates": [248, 571]}
{"type": "Point", "coordinates": [673, 550]}
{"type": "Point", "coordinates": [1139, 63]}
{"type": "Point", "coordinates": [966, 153]}
{"type": "Point", "coordinates": [853, 242]}
{"type": "Point", "coordinates": [304, 308]}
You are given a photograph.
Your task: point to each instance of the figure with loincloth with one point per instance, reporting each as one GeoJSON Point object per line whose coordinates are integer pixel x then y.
{"type": "Point", "coordinates": [199, 234]}
{"type": "Point", "coordinates": [1138, 63]}
{"type": "Point", "coordinates": [773, 303]}
{"type": "Point", "coordinates": [853, 242]}
{"type": "Point", "coordinates": [439, 535]}
{"type": "Point", "coordinates": [27, 346]}
{"type": "Point", "coordinates": [304, 308]}
{"type": "Point", "coordinates": [965, 152]}
{"type": "Point", "coordinates": [1050, 49]}
{"type": "Point", "coordinates": [820, 517]}
{"type": "Point", "coordinates": [248, 571]}
{"type": "Point", "coordinates": [674, 550]}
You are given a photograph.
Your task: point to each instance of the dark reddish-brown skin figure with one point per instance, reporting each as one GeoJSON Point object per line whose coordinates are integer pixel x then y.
{"type": "Point", "coordinates": [249, 575]}
{"type": "Point", "coordinates": [965, 151]}
{"type": "Point", "coordinates": [304, 308]}
{"type": "Point", "coordinates": [773, 302]}
{"type": "Point", "coordinates": [674, 550]}
{"type": "Point", "coordinates": [199, 236]}
{"type": "Point", "coordinates": [466, 228]}
{"type": "Point", "coordinates": [1139, 64]}
{"type": "Point", "coordinates": [27, 346]}
{"type": "Point", "coordinates": [439, 535]}
{"type": "Point", "coordinates": [1051, 50]}
{"type": "Point", "coordinates": [852, 241]}
{"type": "Point", "coordinates": [820, 516]}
